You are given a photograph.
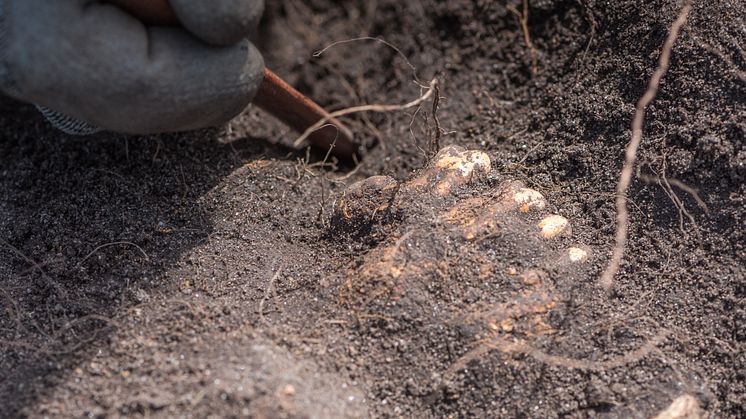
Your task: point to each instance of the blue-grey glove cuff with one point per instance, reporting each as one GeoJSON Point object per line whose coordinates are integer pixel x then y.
{"type": "Point", "coordinates": [7, 84]}
{"type": "Point", "coordinates": [93, 62]}
{"type": "Point", "coordinates": [67, 124]}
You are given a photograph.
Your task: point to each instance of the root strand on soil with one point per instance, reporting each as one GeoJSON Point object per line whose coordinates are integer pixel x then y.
{"type": "Point", "coordinates": [426, 95]}
{"type": "Point", "coordinates": [625, 178]}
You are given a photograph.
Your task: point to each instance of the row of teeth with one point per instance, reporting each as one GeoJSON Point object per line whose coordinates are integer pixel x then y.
{"type": "Point", "coordinates": [454, 162]}
{"type": "Point", "coordinates": [453, 167]}
{"type": "Point", "coordinates": [465, 164]}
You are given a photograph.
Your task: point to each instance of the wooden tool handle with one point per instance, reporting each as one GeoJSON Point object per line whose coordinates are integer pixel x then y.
{"type": "Point", "coordinates": [156, 12]}
{"type": "Point", "coordinates": [274, 96]}
{"type": "Point", "coordinates": [299, 112]}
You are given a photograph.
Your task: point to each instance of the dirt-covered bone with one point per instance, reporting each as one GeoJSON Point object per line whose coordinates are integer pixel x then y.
{"type": "Point", "coordinates": [448, 218]}
{"type": "Point", "coordinates": [460, 227]}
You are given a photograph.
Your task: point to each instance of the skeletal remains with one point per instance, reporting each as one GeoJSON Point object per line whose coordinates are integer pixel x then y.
{"type": "Point", "coordinates": [445, 218]}
{"type": "Point", "coordinates": [454, 226]}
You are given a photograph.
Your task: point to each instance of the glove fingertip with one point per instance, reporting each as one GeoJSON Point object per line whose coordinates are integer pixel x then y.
{"type": "Point", "coordinates": [220, 22]}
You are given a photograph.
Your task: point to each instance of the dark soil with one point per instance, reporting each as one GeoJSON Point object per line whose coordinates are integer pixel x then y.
{"type": "Point", "coordinates": [200, 274]}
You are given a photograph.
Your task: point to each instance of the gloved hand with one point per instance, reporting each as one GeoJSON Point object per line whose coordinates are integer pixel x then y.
{"type": "Point", "coordinates": [91, 61]}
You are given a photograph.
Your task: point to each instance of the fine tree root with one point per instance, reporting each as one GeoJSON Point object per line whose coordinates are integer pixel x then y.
{"type": "Point", "coordinates": [691, 191]}
{"type": "Point", "coordinates": [435, 145]}
{"type": "Point", "coordinates": [668, 190]}
{"type": "Point", "coordinates": [625, 178]}
{"type": "Point", "coordinates": [38, 267]}
{"type": "Point", "coordinates": [731, 66]}
{"type": "Point", "coordinates": [428, 92]}
{"type": "Point", "coordinates": [520, 347]}
{"type": "Point", "coordinates": [523, 19]}
{"type": "Point", "coordinates": [592, 22]}
{"type": "Point", "coordinates": [56, 338]}
{"type": "Point", "coordinates": [12, 311]}
{"type": "Point", "coordinates": [103, 246]}
{"type": "Point", "coordinates": [322, 182]}
{"type": "Point", "coordinates": [380, 40]}
{"type": "Point", "coordinates": [667, 185]}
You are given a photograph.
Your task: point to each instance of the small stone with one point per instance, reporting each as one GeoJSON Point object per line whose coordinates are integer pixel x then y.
{"type": "Point", "coordinates": [288, 390]}
{"type": "Point", "coordinates": [141, 296]}
{"type": "Point", "coordinates": [533, 277]}
{"type": "Point", "coordinates": [507, 325]}
{"type": "Point", "coordinates": [577, 255]}
{"type": "Point", "coordinates": [553, 226]}
{"type": "Point", "coordinates": [684, 407]}
{"type": "Point", "coordinates": [485, 271]}
{"type": "Point", "coordinates": [529, 199]}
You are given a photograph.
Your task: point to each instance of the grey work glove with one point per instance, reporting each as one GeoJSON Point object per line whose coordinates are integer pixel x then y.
{"type": "Point", "coordinates": [93, 62]}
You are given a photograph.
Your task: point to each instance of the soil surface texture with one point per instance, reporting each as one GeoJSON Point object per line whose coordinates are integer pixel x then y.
{"type": "Point", "coordinates": [222, 273]}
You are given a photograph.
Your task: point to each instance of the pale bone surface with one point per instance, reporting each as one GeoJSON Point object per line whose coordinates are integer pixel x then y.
{"type": "Point", "coordinates": [457, 225]}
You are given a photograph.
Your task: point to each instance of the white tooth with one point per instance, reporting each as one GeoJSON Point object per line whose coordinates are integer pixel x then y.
{"type": "Point", "coordinates": [553, 226]}
{"type": "Point", "coordinates": [529, 199]}
{"type": "Point", "coordinates": [465, 162]}
{"type": "Point", "coordinates": [480, 161]}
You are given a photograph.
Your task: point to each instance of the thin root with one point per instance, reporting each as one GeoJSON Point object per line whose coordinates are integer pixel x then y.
{"type": "Point", "coordinates": [625, 178]}
{"type": "Point", "coordinates": [114, 244]}
{"type": "Point", "coordinates": [521, 347]}
{"type": "Point", "coordinates": [368, 108]}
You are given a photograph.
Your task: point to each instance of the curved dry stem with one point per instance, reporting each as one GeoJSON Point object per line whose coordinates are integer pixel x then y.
{"type": "Point", "coordinates": [114, 244]}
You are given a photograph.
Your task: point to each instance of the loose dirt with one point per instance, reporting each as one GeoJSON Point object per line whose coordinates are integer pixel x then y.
{"type": "Point", "coordinates": [208, 274]}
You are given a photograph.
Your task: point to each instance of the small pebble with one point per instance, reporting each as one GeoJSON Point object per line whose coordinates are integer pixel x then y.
{"type": "Point", "coordinates": [577, 255]}
{"type": "Point", "coordinates": [532, 277]}
{"type": "Point", "coordinates": [553, 226]}
{"type": "Point", "coordinates": [288, 390]}
{"type": "Point", "coordinates": [507, 325]}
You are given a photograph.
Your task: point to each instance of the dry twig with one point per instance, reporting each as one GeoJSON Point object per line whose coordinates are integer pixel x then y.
{"type": "Point", "coordinates": [435, 146]}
